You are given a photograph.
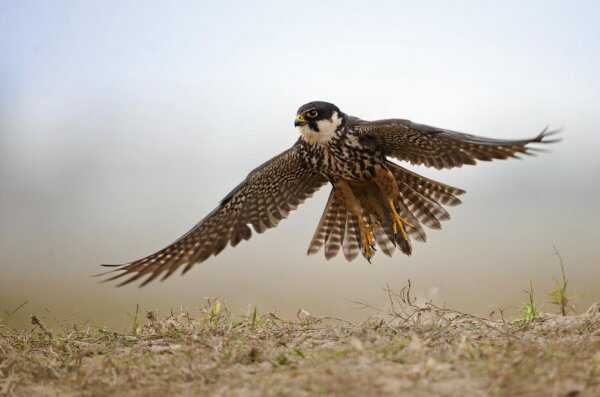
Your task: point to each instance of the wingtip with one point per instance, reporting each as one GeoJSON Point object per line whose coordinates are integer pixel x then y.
{"type": "Point", "coordinates": [128, 280]}
{"type": "Point", "coordinates": [115, 277]}
{"type": "Point", "coordinates": [545, 133]}
{"type": "Point", "coordinates": [115, 268]}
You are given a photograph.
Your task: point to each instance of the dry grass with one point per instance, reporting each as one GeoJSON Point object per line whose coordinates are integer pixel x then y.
{"type": "Point", "coordinates": [408, 349]}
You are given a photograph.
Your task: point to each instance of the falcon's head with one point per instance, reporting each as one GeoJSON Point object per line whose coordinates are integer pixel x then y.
{"type": "Point", "coordinates": [317, 121]}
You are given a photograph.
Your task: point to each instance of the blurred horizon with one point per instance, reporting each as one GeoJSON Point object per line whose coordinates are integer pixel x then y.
{"type": "Point", "coordinates": [122, 126]}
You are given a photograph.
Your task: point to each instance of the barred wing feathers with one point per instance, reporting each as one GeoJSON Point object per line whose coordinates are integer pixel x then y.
{"type": "Point", "coordinates": [265, 197]}
{"type": "Point", "coordinates": [441, 148]}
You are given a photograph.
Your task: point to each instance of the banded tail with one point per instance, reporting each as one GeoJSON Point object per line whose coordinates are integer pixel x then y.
{"type": "Point", "coordinates": [421, 202]}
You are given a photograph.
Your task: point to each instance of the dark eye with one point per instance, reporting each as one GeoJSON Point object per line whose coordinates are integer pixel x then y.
{"type": "Point", "coordinates": [312, 114]}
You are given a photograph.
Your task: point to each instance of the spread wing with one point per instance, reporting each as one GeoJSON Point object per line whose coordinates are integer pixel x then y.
{"type": "Point", "coordinates": [441, 148]}
{"type": "Point", "coordinates": [265, 197]}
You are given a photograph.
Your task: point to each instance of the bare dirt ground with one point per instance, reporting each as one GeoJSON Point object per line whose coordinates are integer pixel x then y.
{"type": "Point", "coordinates": [407, 350]}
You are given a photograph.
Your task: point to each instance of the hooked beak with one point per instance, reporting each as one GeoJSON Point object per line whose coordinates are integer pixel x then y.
{"type": "Point", "coordinates": [300, 121]}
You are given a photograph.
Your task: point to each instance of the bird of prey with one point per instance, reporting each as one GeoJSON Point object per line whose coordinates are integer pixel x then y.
{"type": "Point", "coordinates": [373, 201]}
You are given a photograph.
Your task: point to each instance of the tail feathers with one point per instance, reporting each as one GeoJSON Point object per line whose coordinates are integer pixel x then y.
{"type": "Point", "coordinates": [424, 197]}
{"type": "Point", "coordinates": [429, 212]}
{"type": "Point", "coordinates": [336, 229]}
{"type": "Point", "coordinates": [420, 202]}
{"type": "Point", "coordinates": [404, 244]}
{"type": "Point", "coordinates": [415, 229]}
{"type": "Point", "coordinates": [384, 240]}
{"type": "Point", "coordinates": [351, 245]}
{"type": "Point", "coordinates": [325, 224]}
{"type": "Point", "coordinates": [437, 191]}
{"type": "Point", "coordinates": [334, 241]}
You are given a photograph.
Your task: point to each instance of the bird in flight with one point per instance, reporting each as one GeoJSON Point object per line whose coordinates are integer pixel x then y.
{"type": "Point", "coordinates": [373, 201]}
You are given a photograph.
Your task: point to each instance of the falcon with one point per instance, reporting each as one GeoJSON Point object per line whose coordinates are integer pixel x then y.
{"type": "Point", "coordinates": [373, 201]}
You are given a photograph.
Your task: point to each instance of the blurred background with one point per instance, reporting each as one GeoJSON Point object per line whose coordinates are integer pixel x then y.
{"type": "Point", "coordinates": [122, 125]}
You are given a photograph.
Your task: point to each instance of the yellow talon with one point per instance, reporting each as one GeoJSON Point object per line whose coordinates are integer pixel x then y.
{"type": "Point", "coordinates": [367, 240]}
{"type": "Point", "coordinates": [398, 222]}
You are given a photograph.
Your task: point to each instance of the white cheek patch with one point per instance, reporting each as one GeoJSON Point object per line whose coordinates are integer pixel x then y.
{"type": "Point", "coordinates": [309, 135]}
{"type": "Point", "coordinates": [326, 131]}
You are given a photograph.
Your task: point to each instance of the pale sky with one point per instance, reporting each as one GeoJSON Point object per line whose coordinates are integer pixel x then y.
{"type": "Point", "coordinates": [121, 126]}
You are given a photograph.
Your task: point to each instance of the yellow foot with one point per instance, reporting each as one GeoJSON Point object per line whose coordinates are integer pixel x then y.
{"type": "Point", "coordinates": [367, 240]}
{"type": "Point", "coordinates": [398, 222]}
